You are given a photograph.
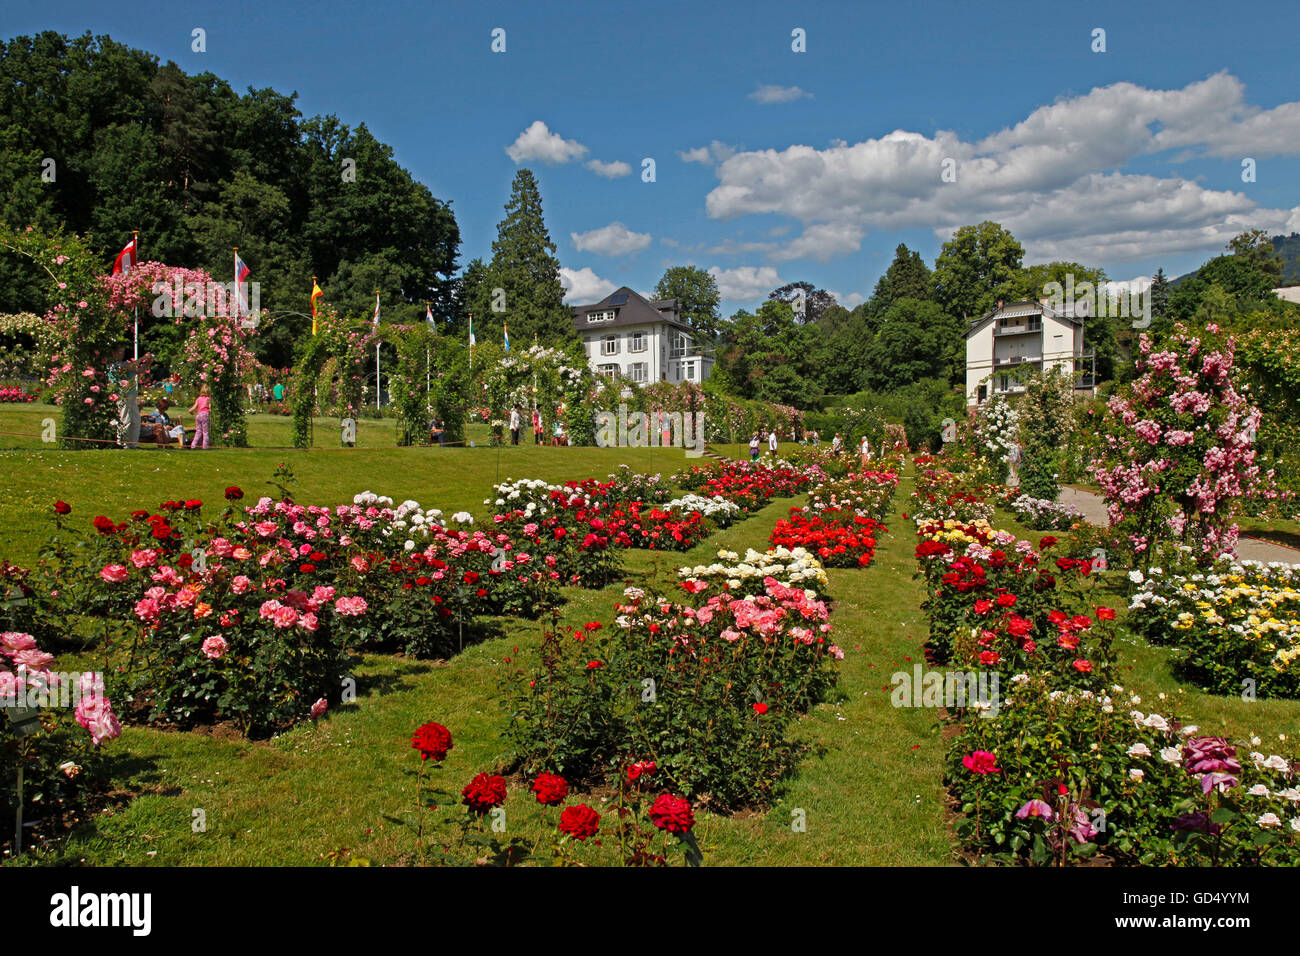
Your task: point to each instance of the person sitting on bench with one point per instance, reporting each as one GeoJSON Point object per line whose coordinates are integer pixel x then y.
{"type": "Point", "coordinates": [165, 431]}
{"type": "Point", "coordinates": [437, 433]}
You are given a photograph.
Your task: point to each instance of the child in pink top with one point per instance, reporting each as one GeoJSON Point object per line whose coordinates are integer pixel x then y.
{"type": "Point", "coordinates": [202, 412]}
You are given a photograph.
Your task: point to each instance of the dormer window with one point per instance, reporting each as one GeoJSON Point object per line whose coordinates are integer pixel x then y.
{"type": "Point", "coordinates": [607, 315]}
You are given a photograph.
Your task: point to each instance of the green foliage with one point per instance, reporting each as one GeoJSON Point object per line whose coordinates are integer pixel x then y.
{"type": "Point", "coordinates": [976, 264]}
{"type": "Point", "coordinates": [525, 267]}
{"type": "Point", "coordinates": [199, 168]}
{"type": "Point", "coordinates": [696, 292]}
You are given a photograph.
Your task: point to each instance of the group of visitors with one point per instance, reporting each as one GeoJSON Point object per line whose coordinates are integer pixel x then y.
{"type": "Point", "coordinates": [259, 394]}
{"type": "Point", "coordinates": [558, 434]}
{"type": "Point", "coordinates": [124, 376]}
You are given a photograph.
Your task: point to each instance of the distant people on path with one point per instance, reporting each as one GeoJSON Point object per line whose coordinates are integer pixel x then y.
{"type": "Point", "coordinates": [815, 437]}
{"type": "Point", "coordinates": [771, 441]}
{"type": "Point", "coordinates": [837, 444]}
{"type": "Point", "coordinates": [753, 447]}
{"type": "Point", "coordinates": [866, 453]}
{"type": "Point", "coordinates": [537, 427]}
{"type": "Point", "coordinates": [123, 375]}
{"type": "Point", "coordinates": [557, 435]}
{"type": "Point", "coordinates": [515, 422]}
{"type": "Point", "coordinates": [278, 391]}
{"type": "Point", "coordinates": [202, 412]}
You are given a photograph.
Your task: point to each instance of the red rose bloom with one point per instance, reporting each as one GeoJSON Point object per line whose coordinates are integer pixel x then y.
{"type": "Point", "coordinates": [103, 525]}
{"type": "Point", "coordinates": [139, 515]}
{"type": "Point", "coordinates": [579, 821]}
{"type": "Point", "coordinates": [1046, 541]}
{"type": "Point", "coordinates": [1083, 667]}
{"type": "Point", "coordinates": [233, 493]}
{"type": "Point", "coordinates": [550, 788]}
{"type": "Point", "coordinates": [642, 768]}
{"type": "Point", "coordinates": [306, 568]}
{"type": "Point", "coordinates": [672, 814]}
{"type": "Point", "coordinates": [484, 792]}
{"type": "Point", "coordinates": [62, 508]}
{"type": "Point", "coordinates": [432, 740]}
{"type": "Point", "coordinates": [593, 665]}
{"type": "Point", "coordinates": [760, 708]}
{"type": "Point", "coordinates": [1105, 614]}
{"type": "Point", "coordinates": [193, 505]}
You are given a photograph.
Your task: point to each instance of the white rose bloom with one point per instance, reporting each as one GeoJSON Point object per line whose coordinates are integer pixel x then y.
{"type": "Point", "coordinates": [1259, 790]}
{"type": "Point", "coordinates": [1269, 820]}
{"type": "Point", "coordinates": [1136, 774]}
{"type": "Point", "coordinates": [1171, 755]}
{"type": "Point", "coordinates": [1139, 750]}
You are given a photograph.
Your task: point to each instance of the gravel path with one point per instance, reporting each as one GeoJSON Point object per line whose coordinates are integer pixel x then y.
{"type": "Point", "coordinates": [1094, 512]}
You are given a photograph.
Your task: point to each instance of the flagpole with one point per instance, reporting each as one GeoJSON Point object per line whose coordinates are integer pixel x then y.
{"type": "Point", "coordinates": [376, 350]}
{"type": "Point", "coordinates": [135, 241]}
{"type": "Point", "coordinates": [427, 307]}
{"type": "Point", "coordinates": [235, 267]}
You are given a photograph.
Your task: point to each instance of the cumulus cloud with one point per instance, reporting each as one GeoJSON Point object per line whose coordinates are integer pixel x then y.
{"type": "Point", "coordinates": [582, 286]}
{"type": "Point", "coordinates": [615, 239]}
{"type": "Point", "coordinates": [746, 282]}
{"type": "Point", "coordinates": [1051, 178]}
{"type": "Point", "coordinates": [609, 170]}
{"type": "Point", "coordinates": [539, 143]}
{"type": "Point", "coordinates": [768, 93]}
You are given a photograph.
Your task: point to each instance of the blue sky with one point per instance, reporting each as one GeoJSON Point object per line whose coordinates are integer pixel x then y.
{"type": "Point", "coordinates": [772, 165]}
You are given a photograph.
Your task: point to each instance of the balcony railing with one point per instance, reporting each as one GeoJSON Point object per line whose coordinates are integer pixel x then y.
{"type": "Point", "coordinates": [1019, 329]}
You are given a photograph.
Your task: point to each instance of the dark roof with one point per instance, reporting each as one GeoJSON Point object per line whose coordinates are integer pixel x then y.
{"type": "Point", "coordinates": [630, 308]}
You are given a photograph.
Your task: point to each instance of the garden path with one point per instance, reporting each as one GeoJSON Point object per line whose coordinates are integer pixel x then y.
{"type": "Point", "coordinates": [1093, 508]}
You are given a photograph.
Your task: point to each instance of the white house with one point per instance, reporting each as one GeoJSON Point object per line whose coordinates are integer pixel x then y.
{"type": "Point", "coordinates": [1014, 335]}
{"type": "Point", "coordinates": [626, 334]}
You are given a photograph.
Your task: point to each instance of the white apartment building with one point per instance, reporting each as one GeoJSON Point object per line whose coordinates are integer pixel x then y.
{"type": "Point", "coordinates": [1014, 335]}
{"type": "Point", "coordinates": [626, 334]}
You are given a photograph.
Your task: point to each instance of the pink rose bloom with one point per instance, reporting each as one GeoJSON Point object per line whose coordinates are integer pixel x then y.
{"type": "Point", "coordinates": [186, 598]}
{"type": "Point", "coordinates": [308, 621]}
{"type": "Point", "coordinates": [215, 647]}
{"type": "Point", "coordinates": [318, 709]}
{"type": "Point", "coordinates": [15, 641]}
{"type": "Point", "coordinates": [351, 606]}
{"type": "Point", "coordinates": [266, 529]}
{"type": "Point", "coordinates": [144, 557]}
{"type": "Point", "coordinates": [95, 714]}
{"type": "Point", "coordinates": [91, 684]}
{"type": "Point", "coordinates": [269, 608]}
{"type": "Point", "coordinates": [113, 573]}
{"type": "Point", "coordinates": [323, 593]}
{"type": "Point", "coordinates": [359, 565]}
{"type": "Point", "coordinates": [730, 634]}
{"type": "Point", "coordinates": [32, 658]}
{"type": "Point", "coordinates": [285, 617]}
{"type": "Point", "coordinates": [147, 610]}
{"type": "Point", "coordinates": [241, 583]}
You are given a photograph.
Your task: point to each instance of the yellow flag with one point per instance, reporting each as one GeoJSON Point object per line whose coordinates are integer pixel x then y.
{"type": "Point", "coordinates": [316, 293]}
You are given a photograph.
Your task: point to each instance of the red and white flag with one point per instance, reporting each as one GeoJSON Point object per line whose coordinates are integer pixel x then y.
{"type": "Point", "coordinates": [242, 272]}
{"type": "Point", "coordinates": [125, 260]}
{"type": "Point", "coordinates": [375, 322]}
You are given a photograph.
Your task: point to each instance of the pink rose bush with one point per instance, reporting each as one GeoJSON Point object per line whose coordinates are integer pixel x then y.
{"type": "Point", "coordinates": [1179, 448]}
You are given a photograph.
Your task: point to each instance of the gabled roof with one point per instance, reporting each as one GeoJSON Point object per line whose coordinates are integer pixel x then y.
{"type": "Point", "coordinates": [631, 308]}
{"type": "Point", "coordinates": [1019, 310]}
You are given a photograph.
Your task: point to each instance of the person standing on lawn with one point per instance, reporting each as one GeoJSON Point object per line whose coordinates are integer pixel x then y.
{"type": "Point", "coordinates": [202, 412]}
{"type": "Point", "coordinates": [866, 453]}
{"type": "Point", "coordinates": [515, 422]}
{"type": "Point", "coordinates": [771, 441]}
{"type": "Point", "coordinates": [123, 375]}
{"type": "Point", "coordinates": [537, 426]}
{"type": "Point", "coordinates": [753, 447]}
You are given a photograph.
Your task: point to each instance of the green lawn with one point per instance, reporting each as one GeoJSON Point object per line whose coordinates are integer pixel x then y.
{"type": "Point", "coordinates": [870, 788]}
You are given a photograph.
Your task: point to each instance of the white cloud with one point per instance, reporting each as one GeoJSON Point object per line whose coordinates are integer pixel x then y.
{"type": "Point", "coordinates": [615, 239]}
{"type": "Point", "coordinates": [768, 93]}
{"type": "Point", "coordinates": [609, 170]}
{"type": "Point", "coordinates": [850, 301]}
{"type": "Point", "coordinates": [715, 152]}
{"type": "Point", "coordinates": [582, 286]}
{"type": "Point", "coordinates": [539, 143]}
{"type": "Point", "coordinates": [746, 282]}
{"type": "Point", "coordinates": [1055, 179]}
{"type": "Point", "coordinates": [1135, 286]}
{"type": "Point", "coordinates": [823, 241]}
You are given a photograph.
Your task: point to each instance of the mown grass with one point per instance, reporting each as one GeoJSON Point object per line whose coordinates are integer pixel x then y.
{"type": "Point", "coordinates": [869, 789]}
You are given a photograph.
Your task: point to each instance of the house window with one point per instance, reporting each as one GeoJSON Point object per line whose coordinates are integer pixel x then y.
{"type": "Point", "coordinates": [638, 371]}
{"type": "Point", "coordinates": [609, 371]}
{"type": "Point", "coordinates": [638, 343]}
{"type": "Point", "coordinates": [609, 345]}
{"type": "Point", "coordinates": [681, 345]}
{"type": "Point", "coordinates": [596, 317]}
